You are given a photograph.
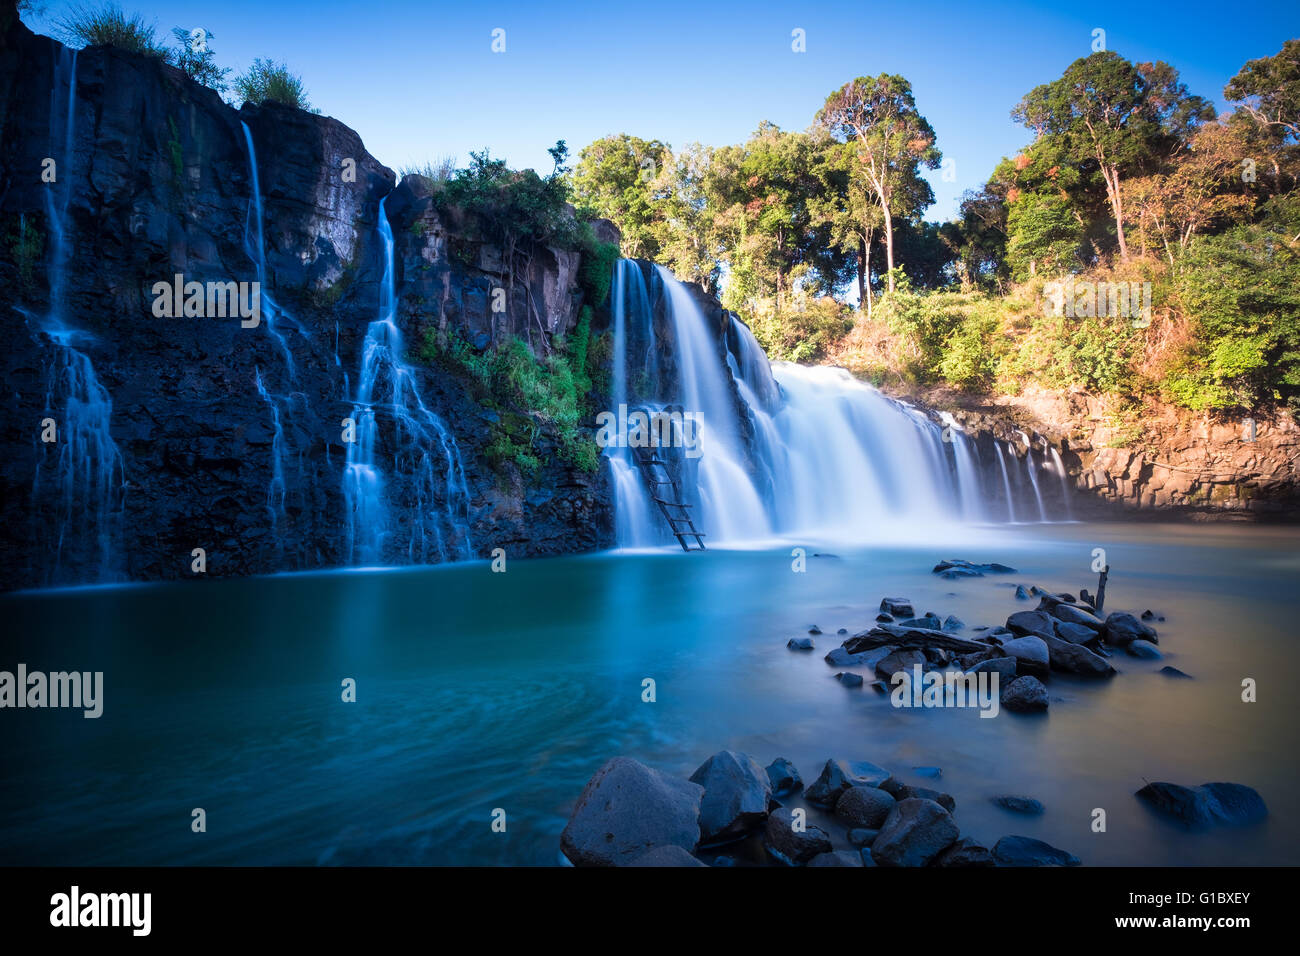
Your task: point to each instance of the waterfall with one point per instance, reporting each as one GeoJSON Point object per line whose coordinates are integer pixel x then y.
{"type": "Point", "coordinates": [786, 449]}
{"type": "Point", "coordinates": [271, 313]}
{"type": "Point", "coordinates": [79, 481]}
{"type": "Point", "coordinates": [275, 491]}
{"type": "Point", "coordinates": [1006, 484]}
{"type": "Point", "coordinates": [1065, 482]}
{"type": "Point", "coordinates": [1033, 476]}
{"type": "Point", "coordinates": [417, 512]}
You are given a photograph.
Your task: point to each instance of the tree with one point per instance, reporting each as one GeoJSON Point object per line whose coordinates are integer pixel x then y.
{"type": "Point", "coordinates": [1269, 90]}
{"type": "Point", "coordinates": [893, 141]}
{"type": "Point", "coordinates": [1107, 111]}
{"type": "Point", "coordinates": [616, 179]}
{"type": "Point", "coordinates": [196, 59]}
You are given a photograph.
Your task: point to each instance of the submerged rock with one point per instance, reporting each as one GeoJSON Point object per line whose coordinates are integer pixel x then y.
{"type": "Point", "coordinates": [783, 777]}
{"type": "Point", "coordinates": [839, 775]}
{"type": "Point", "coordinates": [977, 570]}
{"type": "Point", "coordinates": [1210, 804]}
{"type": "Point", "coordinates": [915, 832]}
{"type": "Point", "coordinates": [1123, 628]}
{"type": "Point", "coordinates": [900, 660]}
{"type": "Point", "coordinates": [1025, 695]}
{"type": "Point", "coordinates": [736, 795]}
{"type": "Point", "coordinates": [628, 808]}
{"type": "Point", "coordinates": [864, 807]}
{"type": "Point", "coordinates": [898, 607]}
{"type": "Point", "coordinates": [933, 772]}
{"type": "Point", "coordinates": [849, 679]}
{"type": "Point", "coordinates": [1144, 650]}
{"type": "Point", "coordinates": [800, 643]}
{"type": "Point", "coordinates": [789, 846]}
{"type": "Point", "coordinates": [814, 629]}
{"type": "Point", "coordinates": [1174, 672]}
{"type": "Point", "coordinates": [1027, 806]}
{"type": "Point", "coordinates": [1076, 659]}
{"type": "Point", "coordinates": [666, 856]}
{"type": "Point", "coordinates": [1026, 851]}
{"type": "Point", "coordinates": [966, 853]}
{"type": "Point", "coordinates": [925, 793]}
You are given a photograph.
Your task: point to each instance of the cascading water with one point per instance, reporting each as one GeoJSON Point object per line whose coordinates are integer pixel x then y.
{"type": "Point", "coordinates": [1006, 484]}
{"type": "Point", "coordinates": [419, 509]}
{"type": "Point", "coordinates": [1065, 481]}
{"type": "Point", "coordinates": [1033, 476]}
{"type": "Point", "coordinates": [79, 484]}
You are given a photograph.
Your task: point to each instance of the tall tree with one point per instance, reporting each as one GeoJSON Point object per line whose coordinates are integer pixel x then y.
{"type": "Point", "coordinates": [893, 141]}
{"type": "Point", "coordinates": [616, 178]}
{"type": "Point", "coordinates": [1106, 110]}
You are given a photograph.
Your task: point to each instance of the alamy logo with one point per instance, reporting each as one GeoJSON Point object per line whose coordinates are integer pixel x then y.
{"type": "Point", "coordinates": [102, 909]}
{"type": "Point", "coordinates": [208, 300]}
{"type": "Point", "coordinates": [1086, 300]}
{"type": "Point", "coordinates": [642, 429]}
{"type": "Point", "coordinates": [946, 689]}
{"type": "Point", "coordinates": [57, 689]}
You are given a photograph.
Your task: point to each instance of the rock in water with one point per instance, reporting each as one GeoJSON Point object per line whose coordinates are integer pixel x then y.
{"type": "Point", "coordinates": [966, 853]}
{"type": "Point", "coordinates": [1122, 628]}
{"type": "Point", "coordinates": [899, 660]}
{"type": "Point", "coordinates": [849, 679]}
{"type": "Point", "coordinates": [925, 793]}
{"type": "Point", "coordinates": [839, 775]}
{"type": "Point", "coordinates": [864, 807]}
{"type": "Point", "coordinates": [800, 643]}
{"type": "Point", "coordinates": [1015, 804]}
{"type": "Point", "coordinates": [1021, 593]}
{"type": "Point", "coordinates": [736, 794]}
{"type": "Point", "coordinates": [1174, 672]}
{"type": "Point", "coordinates": [1074, 633]}
{"type": "Point", "coordinates": [628, 808]}
{"type": "Point", "coordinates": [1025, 695]}
{"type": "Point", "coordinates": [861, 836]}
{"type": "Point", "coordinates": [1004, 667]}
{"type": "Point", "coordinates": [836, 858]}
{"type": "Point", "coordinates": [1071, 614]}
{"type": "Point", "coordinates": [1144, 650]}
{"type": "Point", "coordinates": [840, 657]}
{"type": "Point", "coordinates": [1209, 804]}
{"type": "Point", "coordinates": [915, 832]}
{"type": "Point", "coordinates": [1031, 623]}
{"type": "Point", "coordinates": [1031, 655]}
{"type": "Point", "coordinates": [898, 607]}
{"type": "Point", "coordinates": [791, 847]}
{"type": "Point", "coordinates": [953, 623]}
{"type": "Point", "coordinates": [1076, 659]}
{"type": "Point", "coordinates": [1026, 851]}
{"type": "Point", "coordinates": [783, 777]}
{"type": "Point", "coordinates": [666, 856]}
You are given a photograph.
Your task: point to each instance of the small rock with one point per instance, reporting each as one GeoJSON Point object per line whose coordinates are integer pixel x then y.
{"type": "Point", "coordinates": [1016, 804]}
{"type": "Point", "coordinates": [1025, 695]}
{"type": "Point", "coordinates": [836, 858]}
{"type": "Point", "coordinates": [814, 629]}
{"type": "Point", "coordinates": [884, 618]}
{"type": "Point", "coordinates": [929, 621]}
{"type": "Point", "coordinates": [666, 856]}
{"type": "Point", "coordinates": [1026, 851]}
{"type": "Point", "coordinates": [1123, 628]}
{"type": "Point", "coordinates": [966, 853]}
{"type": "Point", "coordinates": [1004, 667]}
{"type": "Point", "coordinates": [840, 657]}
{"type": "Point", "coordinates": [849, 679]}
{"type": "Point", "coordinates": [839, 775]}
{"type": "Point", "coordinates": [898, 607]}
{"type": "Point", "coordinates": [1021, 593]}
{"type": "Point", "coordinates": [863, 836]}
{"type": "Point", "coordinates": [789, 846]}
{"type": "Point", "coordinates": [1174, 672]}
{"type": "Point", "coordinates": [879, 687]}
{"type": "Point", "coordinates": [736, 794]}
{"type": "Point", "coordinates": [1031, 655]}
{"type": "Point", "coordinates": [932, 772]}
{"type": "Point", "coordinates": [915, 832]}
{"type": "Point", "coordinates": [1206, 805]}
{"type": "Point", "coordinates": [953, 623]}
{"type": "Point", "coordinates": [800, 643]}
{"type": "Point", "coordinates": [842, 631]}
{"type": "Point", "coordinates": [1144, 650]}
{"type": "Point", "coordinates": [864, 807]}
{"type": "Point", "coordinates": [924, 793]}
{"type": "Point", "coordinates": [902, 659]}
{"type": "Point", "coordinates": [783, 777]}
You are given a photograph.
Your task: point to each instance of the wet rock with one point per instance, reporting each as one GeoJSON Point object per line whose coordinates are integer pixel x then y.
{"type": "Point", "coordinates": [1031, 624]}
{"type": "Point", "coordinates": [843, 630]}
{"type": "Point", "coordinates": [1025, 695]}
{"type": "Point", "coordinates": [915, 832]}
{"type": "Point", "coordinates": [1150, 615]}
{"type": "Point", "coordinates": [666, 856]}
{"type": "Point", "coordinates": [736, 794]}
{"type": "Point", "coordinates": [1004, 667]}
{"type": "Point", "coordinates": [879, 687]}
{"type": "Point", "coordinates": [863, 836]}
{"type": "Point", "coordinates": [1031, 655]}
{"type": "Point", "coordinates": [840, 657]}
{"type": "Point", "coordinates": [1027, 806]}
{"type": "Point", "coordinates": [1174, 672]}
{"type": "Point", "coordinates": [956, 564]}
{"type": "Point", "coordinates": [867, 858]}
{"type": "Point", "coordinates": [782, 777]}
{"type": "Point", "coordinates": [1123, 628]}
{"type": "Point", "coordinates": [1210, 804]}
{"type": "Point", "coordinates": [966, 853]}
{"type": "Point", "coordinates": [953, 623]}
{"type": "Point", "coordinates": [836, 858]}
{"type": "Point", "coordinates": [849, 679]}
{"type": "Point", "coordinates": [1076, 659]}
{"type": "Point", "coordinates": [1026, 851]}
{"type": "Point", "coordinates": [864, 807]}
{"type": "Point", "coordinates": [968, 661]}
{"type": "Point", "coordinates": [1072, 614]}
{"type": "Point", "coordinates": [1021, 593]}
{"type": "Point", "coordinates": [800, 643]}
{"type": "Point", "coordinates": [839, 775]}
{"type": "Point", "coordinates": [933, 772]}
{"type": "Point", "coordinates": [1144, 650]}
{"type": "Point", "coordinates": [924, 793]}
{"type": "Point", "coordinates": [1074, 633]}
{"type": "Point", "coordinates": [902, 636]}
{"type": "Point", "coordinates": [884, 618]}
{"type": "Point", "coordinates": [814, 629]}
{"type": "Point", "coordinates": [929, 622]}
{"type": "Point", "coordinates": [628, 808]}
{"type": "Point", "coordinates": [900, 660]}
{"type": "Point", "coordinates": [898, 607]}
{"type": "Point", "coordinates": [789, 846]}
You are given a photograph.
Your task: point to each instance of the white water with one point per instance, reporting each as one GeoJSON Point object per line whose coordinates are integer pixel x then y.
{"type": "Point", "coordinates": [1065, 483]}
{"type": "Point", "coordinates": [1032, 470]}
{"type": "Point", "coordinates": [79, 476]}
{"type": "Point", "coordinates": [1006, 484]}
{"type": "Point", "coordinates": [426, 521]}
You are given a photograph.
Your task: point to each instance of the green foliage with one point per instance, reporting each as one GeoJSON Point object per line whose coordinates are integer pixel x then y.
{"type": "Point", "coordinates": [507, 207]}
{"type": "Point", "coordinates": [436, 171]}
{"type": "Point", "coordinates": [803, 332]}
{"type": "Point", "coordinates": [26, 246]}
{"type": "Point", "coordinates": [596, 273]}
{"type": "Point", "coordinates": [1044, 237]}
{"type": "Point", "coordinates": [267, 81]}
{"type": "Point", "coordinates": [108, 25]}
{"type": "Point", "coordinates": [616, 179]}
{"type": "Point", "coordinates": [196, 59]}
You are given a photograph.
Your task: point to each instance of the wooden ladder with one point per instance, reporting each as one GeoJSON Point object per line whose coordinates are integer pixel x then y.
{"type": "Point", "coordinates": [674, 510]}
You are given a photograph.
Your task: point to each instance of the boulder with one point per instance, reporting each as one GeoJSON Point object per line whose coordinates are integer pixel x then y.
{"type": "Point", "coordinates": [782, 777]}
{"type": "Point", "coordinates": [1025, 695]}
{"type": "Point", "coordinates": [736, 795]}
{"type": "Point", "coordinates": [1073, 614]}
{"type": "Point", "coordinates": [864, 807]}
{"type": "Point", "coordinates": [666, 856]}
{"type": "Point", "coordinates": [628, 808]}
{"type": "Point", "coordinates": [1031, 623]}
{"type": "Point", "coordinates": [966, 853]}
{"type": "Point", "coordinates": [837, 858]}
{"type": "Point", "coordinates": [978, 570]}
{"type": "Point", "coordinates": [840, 657]}
{"type": "Point", "coordinates": [928, 622]}
{"type": "Point", "coordinates": [863, 836]}
{"type": "Point", "coordinates": [800, 643]}
{"type": "Point", "coordinates": [902, 659]}
{"type": "Point", "coordinates": [1123, 628]}
{"type": "Point", "coordinates": [789, 846]}
{"type": "Point", "coordinates": [898, 607]}
{"type": "Point", "coordinates": [1174, 672]}
{"type": "Point", "coordinates": [915, 832]}
{"type": "Point", "coordinates": [1209, 804]}
{"type": "Point", "coordinates": [925, 793]}
{"type": "Point", "coordinates": [1076, 659]}
{"type": "Point", "coordinates": [1004, 667]}
{"type": "Point", "coordinates": [900, 636]}
{"type": "Point", "coordinates": [1026, 851]}
{"type": "Point", "coordinates": [953, 623]}
{"type": "Point", "coordinates": [1144, 650]}
{"type": "Point", "coordinates": [1021, 593]}
{"type": "Point", "coordinates": [1074, 633]}
{"type": "Point", "coordinates": [1031, 655]}
{"type": "Point", "coordinates": [849, 679]}
{"type": "Point", "coordinates": [839, 775]}
{"type": "Point", "coordinates": [1026, 806]}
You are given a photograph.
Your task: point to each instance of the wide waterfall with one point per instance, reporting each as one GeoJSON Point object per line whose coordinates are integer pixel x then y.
{"type": "Point", "coordinates": [417, 511]}
{"type": "Point", "coordinates": [77, 492]}
{"type": "Point", "coordinates": [787, 450]}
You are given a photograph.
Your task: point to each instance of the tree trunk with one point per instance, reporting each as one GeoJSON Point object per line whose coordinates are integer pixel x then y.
{"type": "Point", "coordinates": [889, 244]}
{"type": "Point", "coordinates": [1117, 206]}
{"type": "Point", "coordinates": [862, 272]}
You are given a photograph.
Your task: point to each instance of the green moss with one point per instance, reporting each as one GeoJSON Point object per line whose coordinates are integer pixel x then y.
{"type": "Point", "coordinates": [26, 246]}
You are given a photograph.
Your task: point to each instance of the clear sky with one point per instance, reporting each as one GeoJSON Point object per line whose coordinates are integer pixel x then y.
{"type": "Point", "coordinates": [418, 79]}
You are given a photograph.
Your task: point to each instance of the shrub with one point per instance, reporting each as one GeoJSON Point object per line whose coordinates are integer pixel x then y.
{"type": "Point", "coordinates": [267, 81]}
{"type": "Point", "coordinates": [197, 61]}
{"type": "Point", "coordinates": [108, 25]}
{"type": "Point", "coordinates": [804, 332]}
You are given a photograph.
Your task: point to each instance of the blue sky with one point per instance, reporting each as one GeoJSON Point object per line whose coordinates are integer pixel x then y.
{"type": "Point", "coordinates": [418, 79]}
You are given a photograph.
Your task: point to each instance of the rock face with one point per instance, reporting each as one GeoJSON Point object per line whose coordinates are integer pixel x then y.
{"type": "Point", "coordinates": [1026, 851]}
{"type": "Point", "coordinates": [1207, 805]}
{"type": "Point", "coordinates": [915, 833]}
{"type": "Point", "coordinates": [839, 775]}
{"type": "Point", "coordinates": [736, 796]}
{"type": "Point", "coordinates": [628, 809]}
{"type": "Point", "coordinates": [159, 183]}
{"type": "Point", "coordinates": [790, 846]}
